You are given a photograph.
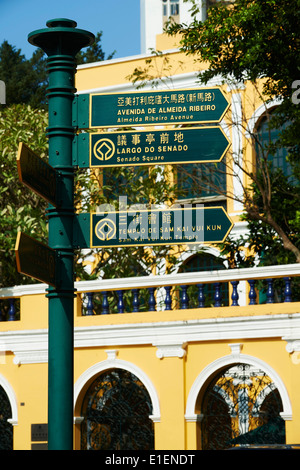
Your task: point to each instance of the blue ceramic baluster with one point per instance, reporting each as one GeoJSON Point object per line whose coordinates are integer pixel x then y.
{"type": "Point", "coordinates": [252, 292]}
{"type": "Point", "coordinates": [201, 296]}
{"type": "Point", "coordinates": [120, 301]}
{"type": "Point", "coordinates": [270, 292]}
{"type": "Point", "coordinates": [168, 299]}
{"type": "Point", "coordinates": [287, 290]}
{"type": "Point", "coordinates": [184, 298]}
{"type": "Point", "coordinates": [152, 302]}
{"type": "Point", "coordinates": [235, 294]}
{"type": "Point", "coordinates": [90, 305]}
{"type": "Point", "coordinates": [12, 310]}
{"type": "Point", "coordinates": [135, 302]}
{"type": "Point", "coordinates": [218, 295]}
{"type": "Point", "coordinates": [105, 305]}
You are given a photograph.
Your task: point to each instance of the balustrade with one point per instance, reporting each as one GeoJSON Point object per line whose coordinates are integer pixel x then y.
{"type": "Point", "coordinates": [182, 291]}
{"type": "Point", "coordinates": [178, 297]}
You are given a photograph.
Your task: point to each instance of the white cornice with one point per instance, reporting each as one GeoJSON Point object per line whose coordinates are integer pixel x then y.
{"type": "Point", "coordinates": [168, 337]}
{"type": "Point", "coordinates": [29, 346]}
{"type": "Point", "coordinates": [175, 333]}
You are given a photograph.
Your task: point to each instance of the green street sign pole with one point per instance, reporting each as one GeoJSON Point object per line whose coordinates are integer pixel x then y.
{"type": "Point", "coordinates": [61, 41]}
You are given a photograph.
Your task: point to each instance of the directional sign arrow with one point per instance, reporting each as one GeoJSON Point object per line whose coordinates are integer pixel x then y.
{"type": "Point", "coordinates": [148, 108]}
{"type": "Point", "coordinates": [152, 227]}
{"type": "Point", "coordinates": [110, 149]}
{"type": "Point", "coordinates": [37, 174]}
{"type": "Point", "coordinates": [35, 259]}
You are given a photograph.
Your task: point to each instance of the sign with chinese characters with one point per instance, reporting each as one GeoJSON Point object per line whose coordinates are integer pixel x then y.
{"type": "Point", "coordinates": [152, 227]}
{"type": "Point", "coordinates": [193, 145]}
{"type": "Point", "coordinates": [35, 259]}
{"type": "Point", "coordinates": [149, 108]}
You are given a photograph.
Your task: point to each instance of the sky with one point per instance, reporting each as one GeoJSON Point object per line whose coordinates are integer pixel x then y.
{"type": "Point", "coordinates": [119, 20]}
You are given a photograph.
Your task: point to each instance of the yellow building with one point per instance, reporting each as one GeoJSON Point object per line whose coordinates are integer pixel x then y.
{"type": "Point", "coordinates": [163, 376]}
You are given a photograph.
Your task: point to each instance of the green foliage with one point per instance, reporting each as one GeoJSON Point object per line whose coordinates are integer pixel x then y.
{"type": "Point", "coordinates": [157, 72]}
{"type": "Point", "coordinates": [26, 80]}
{"type": "Point", "coordinates": [249, 40]}
{"type": "Point", "coordinates": [93, 53]}
{"type": "Point", "coordinates": [20, 209]}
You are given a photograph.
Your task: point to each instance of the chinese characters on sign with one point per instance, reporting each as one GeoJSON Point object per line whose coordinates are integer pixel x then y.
{"type": "Point", "coordinates": [203, 144]}
{"type": "Point", "coordinates": [157, 107]}
{"type": "Point", "coordinates": [136, 147]}
{"type": "Point", "coordinates": [154, 227]}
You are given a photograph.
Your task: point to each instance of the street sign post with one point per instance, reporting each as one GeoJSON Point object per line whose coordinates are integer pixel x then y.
{"type": "Point", "coordinates": [35, 259]}
{"type": "Point", "coordinates": [152, 227]}
{"type": "Point", "coordinates": [37, 174]}
{"type": "Point", "coordinates": [149, 108]}
{"type": "Point", "coordinates": [61, 41]}
{"type": "Point", "coordinates": [53, 264]}
{"type": "Point", "coordinates": [110, 149]}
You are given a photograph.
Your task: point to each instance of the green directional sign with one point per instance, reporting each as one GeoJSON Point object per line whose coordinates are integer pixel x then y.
{"type": "Point", "coordinates": [109, 149]}
{"type": "Point", "coordinates": [35, 259]}
{"type": "Point", "coordinates": [152, 227]}
{"type": "Point", "coordinates": [37, 174]}
{"type": "Point", "coordinates": [149, 108]}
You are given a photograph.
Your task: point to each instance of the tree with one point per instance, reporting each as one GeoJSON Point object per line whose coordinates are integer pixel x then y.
{"type": "Point", "coordinates": [26, 80]}
{"type": "Point", "coordinates": [20, 210]}
{"type": "Point", "coordinates": [254, 42]}
{"type": "Point", "coordinates": [93, 53]}
{"type": "Point", "coordinates": [247, 41]}
{"type": "Point", "coordinates": [18, 75]}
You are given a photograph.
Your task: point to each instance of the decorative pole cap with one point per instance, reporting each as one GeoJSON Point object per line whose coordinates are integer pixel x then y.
{"type": "Point", "coordinates": [61, 37]}
{"type": "Point", "coordinates": [61, 22]}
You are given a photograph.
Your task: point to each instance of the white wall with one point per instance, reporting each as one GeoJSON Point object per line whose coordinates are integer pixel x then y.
{"type": "Point", "coordinates": [152, 21]}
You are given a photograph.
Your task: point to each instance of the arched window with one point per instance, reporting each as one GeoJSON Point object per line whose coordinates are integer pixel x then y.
{"type": "Point", "coordinates": [241, 405]}
{"type": "Point", "coordinates": [116, 411]}
{"type": "Point", "coordinates": [265, 136]}
{"type": "Point", "coordinates": [6, 431]}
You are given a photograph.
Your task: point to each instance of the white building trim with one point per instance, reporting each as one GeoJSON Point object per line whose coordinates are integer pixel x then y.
{"type": "Point", "coordinates": [227, 361]}
{"type": "Point", "coordinates": [258, 113]}
{"type": "Point", "coordinates": [113, 363]}
{"type": "Point", "coordinates": [12, 399]}
{"type": "Point", "coordinates": [31, 346]}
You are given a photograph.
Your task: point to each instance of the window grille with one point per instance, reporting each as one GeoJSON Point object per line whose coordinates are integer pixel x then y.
{"type": "Point", "coordinates": [116, 412]}
{"type": "Point", "coordinates": [241, 406]}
